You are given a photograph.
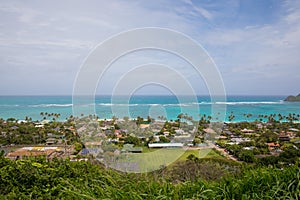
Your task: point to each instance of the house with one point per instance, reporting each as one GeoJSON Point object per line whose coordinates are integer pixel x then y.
{"type": "Point", "coordinates": [238, 140]}
{"type": "Point", "coordinates": [228, 132]}
{"type": "Point", "coordinates": [94, 144]}
{"type": "Point", "coordinates": [273, 146]}
{"type": "Point", "coordinates": [14, 127]}
{"type": "Point", "coordinates": [284, 137]}
{"type": "Point", "coordinates": [56, 129]}
{"type": "Point", "coordinates": [45, 122]}
{"type": "Point", "coordinates": [50, 135]}
{"type": "Point", "coordinates": [296, 141]}
{"type": "Point", "coordinates": [84, 152]}
{"type": "Point", "coordinates": [249, 148]}
{"type": "Point", "coordinates": [221, 137]}
{"type": "Point", "coordinates": [202, 145]}
{"type": "Point", "coordinates": [183, 138]}
{"type": "Point", "coordinates": [93, 151]}
{"type": "Point", "coordinates": [144, 126]}
{"type": "Point", "coordinates": [39, 126]}
{"type": "Point", "coordinates": [259, 126]}
{"type": "Point", "coordinates": [291, 134]}
{"type": "Point", "coordinates": [166, 133]}
{"type": "Point", "coordinates": [247, 131]}
{"type": "Point", "coordinates": [31, 151]}
{"type": "Point", "coordinates": [165, 145]}
{"type": "Point", "coordinates": [21, 121]}
{"type": "Point", "coordinates": [179, 132]}
{"type": "Point", "coordinates": [209, 130]}
{"type": "Point", "coordinates": [51, 141]}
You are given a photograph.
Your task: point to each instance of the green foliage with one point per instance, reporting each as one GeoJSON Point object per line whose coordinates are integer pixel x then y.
{"type": "Point", "coordinates": [163, 139]}
{"type": "Point", "coordinates": [62, 179]}
{"type": "Point", "coordinates": [247, 156]}
{"type": "Point", "coordinates": [290, 154]}
{"type": "Point", "coordinates": [132, 140]}
{"type": "Point", "coordinates": [77, 147]}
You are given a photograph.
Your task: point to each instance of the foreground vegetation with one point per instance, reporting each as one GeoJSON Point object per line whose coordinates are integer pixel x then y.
{"type": "Point", "coordinates": [190, 179]}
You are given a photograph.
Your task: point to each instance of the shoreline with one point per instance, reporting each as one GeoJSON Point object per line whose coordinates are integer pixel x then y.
{"type": "Point", "coordinates": [143, 105]}
{"type": "Point", "coordinates": [157, 120]}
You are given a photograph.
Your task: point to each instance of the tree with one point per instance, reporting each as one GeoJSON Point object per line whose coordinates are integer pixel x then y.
{"type": "Point", "coordinates": [196, 141]}
{"type": "Point", "coordinates": [77, 147]}
{"type": "Point", "coordinates": [139, 120]}
{"type": "Point", "coordinates": [231, 117]}
{"type": "Point", "coordinates": [290, 154]}
{"type": "Point", "coordinates": [149, 120]}
{"type": "Point", "coordinates": [163, 139]}
{"type": "Point", "coordinates": [180, 116]}
{"type": "Point", "coordinates": [132, 140]}
{"type": "Point", "coordinates": [247, 156]}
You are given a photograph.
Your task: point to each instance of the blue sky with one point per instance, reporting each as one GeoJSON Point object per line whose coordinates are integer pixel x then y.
{"type": "Point", "coordinates": [255, 44]}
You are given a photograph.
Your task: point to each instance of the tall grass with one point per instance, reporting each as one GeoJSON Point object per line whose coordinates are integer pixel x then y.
{"type": "Point", "coordinates": [67, 180]}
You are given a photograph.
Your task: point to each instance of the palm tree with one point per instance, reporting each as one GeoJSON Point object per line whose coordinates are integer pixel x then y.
{"type": "Point", "coordinates": [209, 117]}
{"type": "Point", "coordinates": [149, 119]}
{"type": "Point", "coordinates": [280, 117]}
{"type": "Point", "coordinates": [249, 115]}
{"type": "Point", "coordinates": [180, 116]}
{"type": "Point", "coordinates": [231, 117]}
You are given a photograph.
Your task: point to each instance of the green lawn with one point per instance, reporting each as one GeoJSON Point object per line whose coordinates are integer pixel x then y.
{"type": "Point", "coordinates": [203, 153]}
{"type": "Point", "coordinates": [153, 159]}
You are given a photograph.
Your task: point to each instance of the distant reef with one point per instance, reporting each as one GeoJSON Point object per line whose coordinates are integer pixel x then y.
{"type": "Point", "coordinates": [293, 98]}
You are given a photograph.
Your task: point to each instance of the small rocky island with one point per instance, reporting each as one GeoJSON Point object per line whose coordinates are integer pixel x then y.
{"type": "Point", "coordinates": [293, 98]}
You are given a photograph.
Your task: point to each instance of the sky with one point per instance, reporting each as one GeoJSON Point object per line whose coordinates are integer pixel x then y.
{"type": "Point", "coordinates": [254, 44]}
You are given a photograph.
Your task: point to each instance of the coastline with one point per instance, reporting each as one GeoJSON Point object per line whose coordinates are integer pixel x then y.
{"type": "Point", "coordinates": [21, 106]}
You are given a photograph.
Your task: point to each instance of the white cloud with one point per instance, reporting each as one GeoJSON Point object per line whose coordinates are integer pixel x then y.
{"type": "Point", "coordinates": [59, 36]}
{"type": "Point", "coordinates": [199, 10]}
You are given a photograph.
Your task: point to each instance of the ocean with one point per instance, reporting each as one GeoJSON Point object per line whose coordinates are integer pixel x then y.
{"type": "Point", "coordinates": [19, 107]}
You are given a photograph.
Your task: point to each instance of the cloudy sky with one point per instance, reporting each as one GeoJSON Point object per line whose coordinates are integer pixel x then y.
{"type": "Point", "coordinates": [255, 44]}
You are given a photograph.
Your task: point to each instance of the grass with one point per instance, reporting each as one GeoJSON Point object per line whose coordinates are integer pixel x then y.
{"type": "Point", "coordinates": [61, 179]}
{"type": "Point", "coordinates": [147, 149]}
{"type": "Point", "coordinates": [153, 159]}
{"type": "Point", "coordinates": [200, 153]}
{"type": "Point", "coordinates": [146, 162]}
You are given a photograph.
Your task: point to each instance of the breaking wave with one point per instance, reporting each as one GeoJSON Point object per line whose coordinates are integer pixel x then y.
{"type": "Point", "coordinates": [150, 104]}
{"type": "Point", "coordinates": [194, 103]}
{"type": "Point", "coordinates": [50, 105]}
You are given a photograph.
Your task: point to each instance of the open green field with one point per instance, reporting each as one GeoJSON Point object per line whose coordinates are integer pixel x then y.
{"type": "Point", "coordinates": [154, 159]}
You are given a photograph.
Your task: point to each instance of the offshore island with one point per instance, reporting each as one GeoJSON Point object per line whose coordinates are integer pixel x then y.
{"type": "Point", "coordinates": [50, 159]}
{"type": "Point", "coordinates": [293, 98]}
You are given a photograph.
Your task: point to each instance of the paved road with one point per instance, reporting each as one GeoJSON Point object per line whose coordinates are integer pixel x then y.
{"type": "Point", "coordinates": [223, 152]}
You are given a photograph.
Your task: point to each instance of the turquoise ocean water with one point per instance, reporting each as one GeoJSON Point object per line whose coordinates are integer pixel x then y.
{"type": "Point", "coordinates": [19, 107]}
